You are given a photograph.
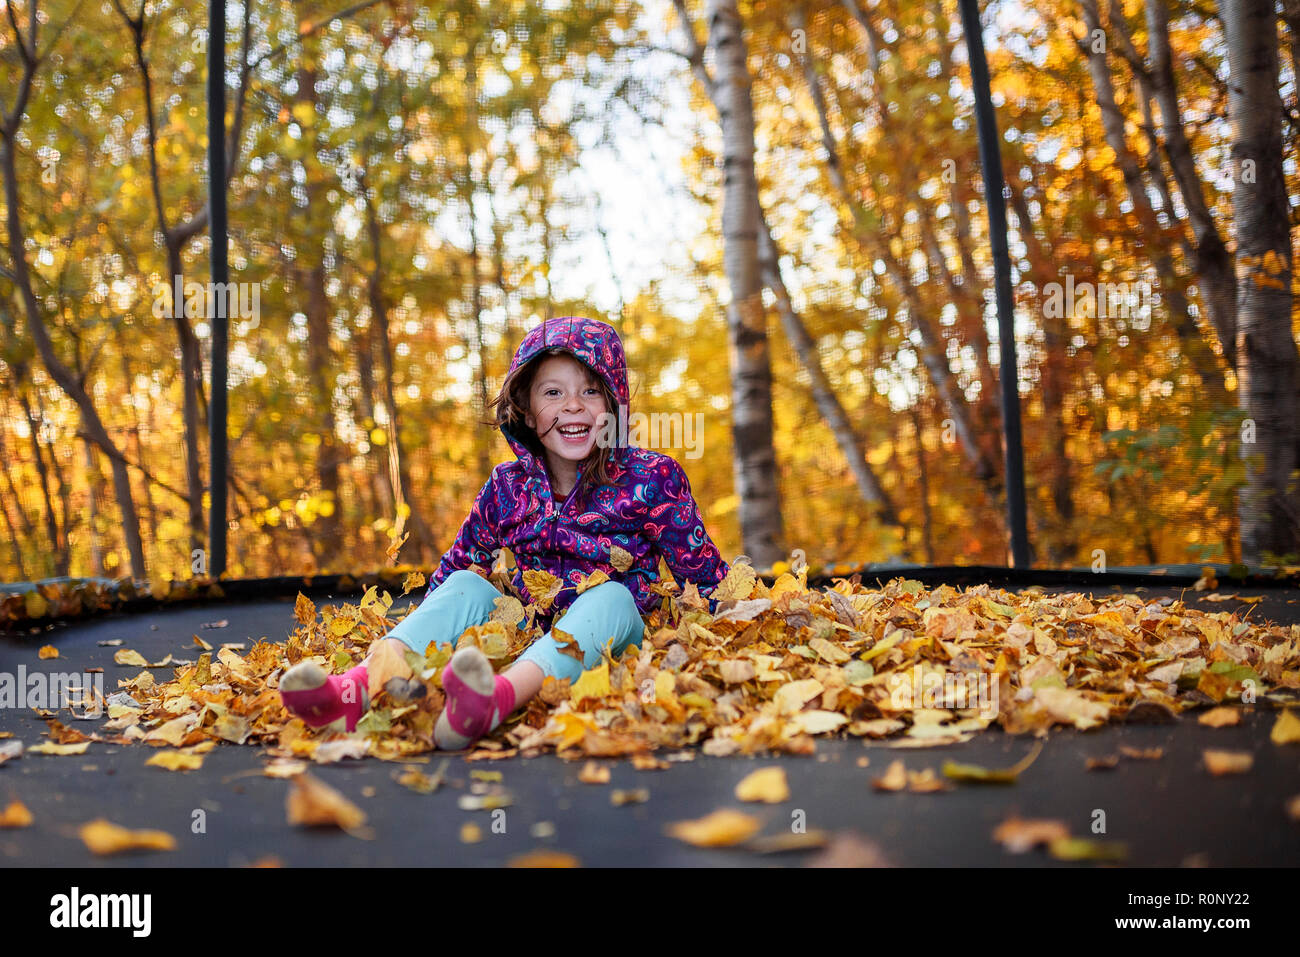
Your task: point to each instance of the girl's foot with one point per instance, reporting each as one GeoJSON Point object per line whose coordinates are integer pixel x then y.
{"type": "Point", "coordinates": [477, 700]}
{"type": "Point", "coordinates": [319, 698]}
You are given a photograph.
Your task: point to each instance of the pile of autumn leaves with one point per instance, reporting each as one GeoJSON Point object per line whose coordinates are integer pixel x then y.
{"type": "Point", "coordinates": [772, 668]}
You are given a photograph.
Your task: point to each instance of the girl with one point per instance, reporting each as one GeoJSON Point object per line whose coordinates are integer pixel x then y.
{"type": "Point", "coordinates": [574, 493]}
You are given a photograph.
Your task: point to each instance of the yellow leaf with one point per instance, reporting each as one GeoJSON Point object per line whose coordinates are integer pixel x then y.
{"type": "Point", "coordinates": [15, 815]}
{"type": "Point", "coordinates": [48, 651]}
{"type": "Point", "coordinates": [542, 586]}
{"type": "Point", "coordinates": [508, 610]}
{"type": "Point", "coordinates": [597, 577]}
{"type": "Point", "coordinates": [1287, 728]}
{"type": "Point", "coordinates": [176, 761]}
{"type": "Point", "coordinates": [104, 837]}
{"type": "Point", "coordinates": [722, 828]}
{"type": "Point", "coordinates": [592, 684]}
{"type": "Point", "coordinates": [125, 656]}
{"type": "Point", "coordinates": [303, 611]}
{"type": "Point", "coordinates": [60, 750]}
{"type": "Point", "coordinates": [593, 773]}
{"type": "Point", "coordinates": [737, 584]}
{"type": "Point", "coordinates": [766, 784]}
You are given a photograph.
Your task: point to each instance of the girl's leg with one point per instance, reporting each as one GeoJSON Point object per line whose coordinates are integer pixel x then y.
{"type": "Point", "coordinates": [319, 698]}
{"type": "Point", "coordinates": [600, 616]}
{"type": "Point", "coordinates": [606, 615]}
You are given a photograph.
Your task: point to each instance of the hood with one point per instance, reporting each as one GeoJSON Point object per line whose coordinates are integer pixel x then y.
{"type": "Point", "coordinates": [594, 342]}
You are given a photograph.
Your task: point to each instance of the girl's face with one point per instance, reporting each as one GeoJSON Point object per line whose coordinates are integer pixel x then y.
{"type": "Point", "coordinates": [565, 402]}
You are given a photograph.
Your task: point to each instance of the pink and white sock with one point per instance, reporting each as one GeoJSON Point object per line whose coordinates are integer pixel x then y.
{"type": "Point", "coordinates": [477, 700]}
{"type": "Point", "coordinates": [319, 698]}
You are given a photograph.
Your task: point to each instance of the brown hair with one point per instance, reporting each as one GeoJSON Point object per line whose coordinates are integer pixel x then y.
{"type": "Point", "coordinates": [510, 407]}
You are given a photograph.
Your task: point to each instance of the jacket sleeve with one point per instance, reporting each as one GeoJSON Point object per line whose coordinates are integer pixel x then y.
{"type": "Point", "coordinates": [676, 527]}
{"type": "Point", "coordinates": [477, 542]}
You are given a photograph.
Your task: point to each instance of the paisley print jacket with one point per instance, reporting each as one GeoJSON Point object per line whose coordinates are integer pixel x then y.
{"type": "Point", "coordinates": [647, 510]}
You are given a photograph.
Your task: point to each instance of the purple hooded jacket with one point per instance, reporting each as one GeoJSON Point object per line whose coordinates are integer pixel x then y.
{"type": "Point", "coordinates": [648, 510]}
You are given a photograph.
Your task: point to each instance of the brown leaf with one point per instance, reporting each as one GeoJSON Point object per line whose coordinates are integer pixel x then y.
{"type": "Point", "coordinates": [313, 803]}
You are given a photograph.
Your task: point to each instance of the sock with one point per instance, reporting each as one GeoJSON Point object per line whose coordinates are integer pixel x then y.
{"type": "Point", "coordinates": [477, 700]}
{"type": "Point", "coordinates": [319, 698]}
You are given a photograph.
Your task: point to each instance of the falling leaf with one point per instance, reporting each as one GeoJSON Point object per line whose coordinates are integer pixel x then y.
{"type": "Point", "coordinates": [593, 773]}
{"type": "Point", "coordinates": [10, 750]}
{"type": "Point", "coordinates": [313, 803]}
{"type": "Point", "coordinates": [543, 857]}
{"type": "Point", "coordinates": [1287, 728]}
{"type": "Point", "coordinates": [125, 656]}
{"type": "Point", "coordinates": [1221, 717]}
{"type": "Point", "coordinates": [542, 587]}
{"type": "Point", "coordinates": [48, 651]}
{"type": "Point", "coordinates": [223, 623]}
{"type": "Point", "coordinates": [16, 815]}
{"type": "Point", "coordinates": [1293, 808]}
{"type": "Point", "coordinates": [1102, 763]}
{"type": "Point", "coordinates": [103, 837]}
{"type": "Point", "coordinates": [109, 643]}
{"type": "Point", "coordinates": [766, 784]}
{"type": "Point", "coordinates": [1142, 754]}
{"type": "Point", "coordinates": [648, 762]}
{"type": "Point", "coordinates": [1018, 835]}
{"type": "Point", "coordinates": [1227, 762]}
{"type": "Point", "coordinates": [722, 828]}
{"type": "Point", "coordinates": [176, 761]}
{"type": "Point", "coordinates": [470, 833]}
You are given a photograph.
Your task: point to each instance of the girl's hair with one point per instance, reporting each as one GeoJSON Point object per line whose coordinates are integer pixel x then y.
{"type": "Point", "coordinates": [511, 406]}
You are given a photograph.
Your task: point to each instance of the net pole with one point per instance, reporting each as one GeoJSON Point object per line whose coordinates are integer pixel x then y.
{"type": "Point", "coordinates": [218, 302]}
{"type": "Point", "coordinates": [994, 191]}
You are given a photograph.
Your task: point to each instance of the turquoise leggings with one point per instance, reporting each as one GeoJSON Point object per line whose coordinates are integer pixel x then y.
{"type": "Point", "coordinates": [600, 616]}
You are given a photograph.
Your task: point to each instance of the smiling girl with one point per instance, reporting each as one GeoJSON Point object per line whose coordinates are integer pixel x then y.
{"type": "Point", "coordinates": [573, 501]}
